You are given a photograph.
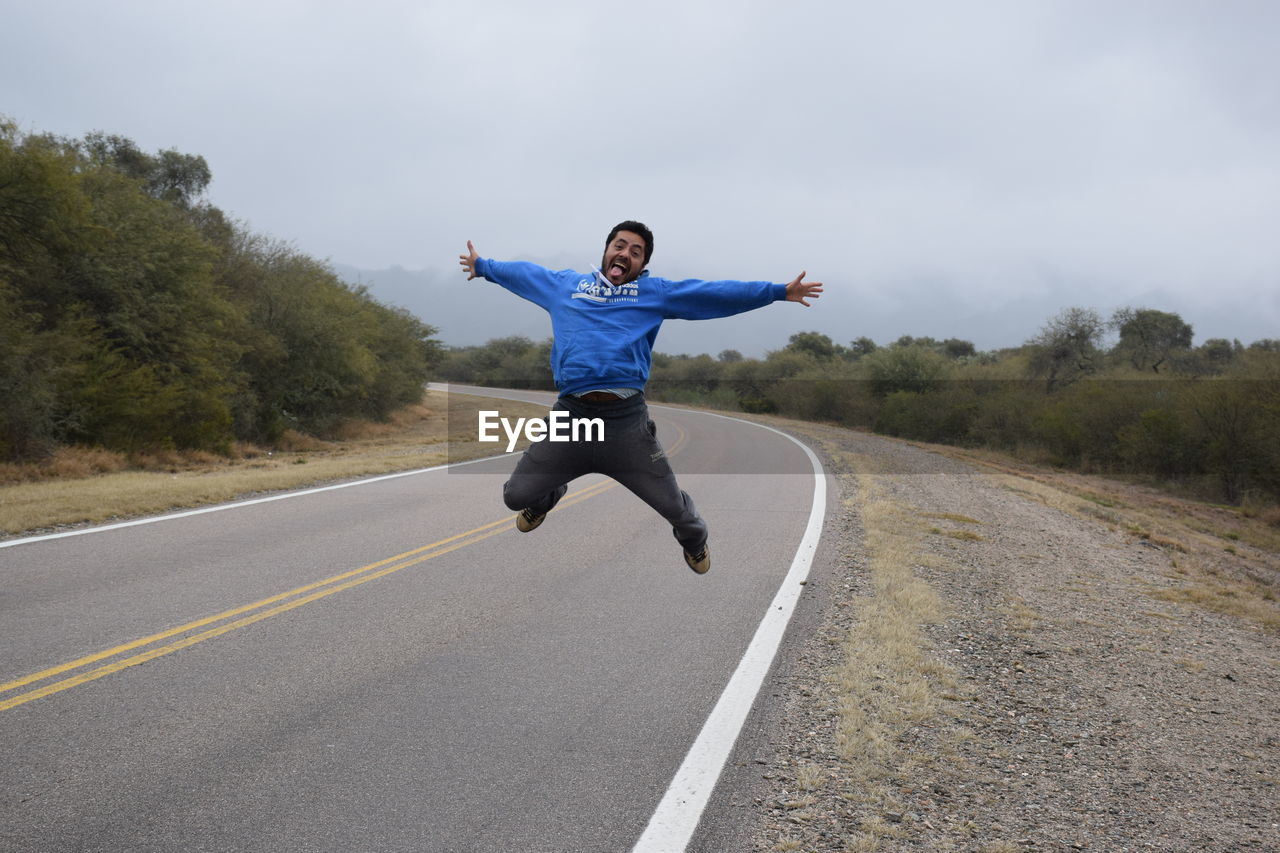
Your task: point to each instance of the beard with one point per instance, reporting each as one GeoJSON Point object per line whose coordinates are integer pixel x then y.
{"type": "Point", "coordinates": [629, 270]}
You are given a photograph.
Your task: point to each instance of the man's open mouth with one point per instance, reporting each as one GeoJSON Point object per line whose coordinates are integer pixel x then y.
{"type": "Point", "coordinates": [616, 269]}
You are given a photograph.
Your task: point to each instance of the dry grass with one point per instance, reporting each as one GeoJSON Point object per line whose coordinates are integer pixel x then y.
{"type": "Point", "coordinates": [86, 486]}
{"type": "Point", "coordinates": [861, 843]}
{"type": "Point", "coordinates": [1001, 847]}
{"type": "Point", "coordinates": [1019, 616]}
{"type": "Point", "coordinates": [66, 463]}
{"type": "Point", "coordinates": [1253, 602]}
{"type": "Point", "coordinates": [1227, 559]}
{"type": "Point", "coordinates": [1269, 515]}
{"type": "Point", "coordinates": [963, 535]}
{"type": "Point", "coordinates": [951, 516]}
{"type": "Point", "coordinates": [890, 679]}
{"type": "Point", "coordinates": [809, 777]}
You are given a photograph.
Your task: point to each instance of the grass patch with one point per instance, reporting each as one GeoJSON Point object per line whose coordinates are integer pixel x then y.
{"type": "Point", "coordinates": [1020, 617]}
{"type": "Point", "coordinates": [86, 486]}
{"type": "Point", "coordinates": [890, 681]}
{"type": "Point", "coordinates": [963, 535]}
{"type": "Point", "coordinates": [1239, 578]}
{"type": "Point", "coordinates": [1251, 601]}
{"type": "Point", "coordinates": [951, 516]}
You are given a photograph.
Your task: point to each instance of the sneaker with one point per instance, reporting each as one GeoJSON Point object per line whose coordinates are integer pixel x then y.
{"type": "Point", "coordinates": [700, 561]}
{"type": "Point", "coordinates": [526, 520]}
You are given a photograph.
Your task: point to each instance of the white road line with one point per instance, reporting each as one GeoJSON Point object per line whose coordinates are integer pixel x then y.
{"type": "Point", "coordinates": [84, 531]}
{"type": "Point", "coordinates": [678, 814]}
{"type": "Point", "coordinates": [103, 528]}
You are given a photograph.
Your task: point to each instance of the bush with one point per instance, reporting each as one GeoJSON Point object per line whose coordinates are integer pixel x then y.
{"type": "Point", "coordinates": [916, 369]}
{"type": "Point", "coordinates": [134, 317]}
{"type": "Point", "coordinates": [942, 417]}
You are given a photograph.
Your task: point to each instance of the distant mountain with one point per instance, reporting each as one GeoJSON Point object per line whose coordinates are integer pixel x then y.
{"type": "Point", "coordinates": [464, 312]}
{"type": "Point", "coordinates": [472, 312]}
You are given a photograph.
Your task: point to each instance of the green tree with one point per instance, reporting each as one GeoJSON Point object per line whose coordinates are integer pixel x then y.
{"type": "Point", "coordinates": [1235, 428]}
{"type": "Point", "coordinates": [916, 369]}
{"type": "Point", "coordinates": [1150, 338]}
{"type": "Point", "coordinates": [1219, 351]}
{"type": "Point", "coordinates": [816, 344]}
{"type": "Point", "coordinates": [1066, 348]}
{"type": "Point", "coordinates": [32, 368]}
{"type": "Point", "coordinates": [909, 341]}
{"type": "Point", "coordinates": [170, 175]}
{"type": "Point", "coordinates": [44, 215]}
{"type": "Point", "coordinates": [956, 349]}
{"type": "Point", "coordinates": [860, 347]}
{"type": "Point", "coordinates": [137, 316]}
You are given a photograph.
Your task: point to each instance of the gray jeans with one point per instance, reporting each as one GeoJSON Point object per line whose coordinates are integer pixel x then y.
{"type": "Point", "coordinates": [630, 453]}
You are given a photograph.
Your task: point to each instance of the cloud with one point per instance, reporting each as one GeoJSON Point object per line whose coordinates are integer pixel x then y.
{"type": "Point", "coordinates": [920, 157]}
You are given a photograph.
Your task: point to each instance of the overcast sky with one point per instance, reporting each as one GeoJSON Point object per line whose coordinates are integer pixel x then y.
{"type": "Point", "coordinates": [954, 169]}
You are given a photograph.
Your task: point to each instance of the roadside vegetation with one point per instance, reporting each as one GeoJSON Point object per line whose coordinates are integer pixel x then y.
{"type": "Point", "coordinates": [137, 318]}
{"type": "Point", "coordinates": [1129, 396]}
{"type": "Point", "coordinates": [890, 679]}
{"type": "Point", "coordinates": [80, 485]}
{"type": "Point", "coordinates": [1222, 558]}
{"type": "Point", "coordinates": [142, 329]}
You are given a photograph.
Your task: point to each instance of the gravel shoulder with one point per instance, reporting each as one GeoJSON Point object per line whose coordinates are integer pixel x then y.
{"type": "Point", "coordinates": [1049, 684]}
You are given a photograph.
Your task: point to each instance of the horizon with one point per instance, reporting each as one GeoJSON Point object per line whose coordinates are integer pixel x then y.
{"type": "Point", "coordinates": [945, 169]}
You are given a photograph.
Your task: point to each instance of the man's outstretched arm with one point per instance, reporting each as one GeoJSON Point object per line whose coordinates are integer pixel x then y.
{"type": "Point", "coordinates": [468, 262]}
{"type": "Point", "coordinates": [526, 280]}
{"type": "Point", "coordinates": [695, 299]}
{"type": "Point", "coordinates": [799, 290]}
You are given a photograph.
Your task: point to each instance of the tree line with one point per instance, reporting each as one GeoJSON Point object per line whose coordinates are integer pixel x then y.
{"type": "Point", "coordinates": [1128, 395]}
{"type": "Point", "coordinates": [135, 315]}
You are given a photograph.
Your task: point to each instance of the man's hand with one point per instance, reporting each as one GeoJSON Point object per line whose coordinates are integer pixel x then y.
{"type": "Point", "coordinates": [468, 263]}
{"type": "Point", "coordinates": [799, 290]}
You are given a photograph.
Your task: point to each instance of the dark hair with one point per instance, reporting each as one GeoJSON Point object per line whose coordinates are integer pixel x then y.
{"type": "Point", "coordinates": [635, 228]}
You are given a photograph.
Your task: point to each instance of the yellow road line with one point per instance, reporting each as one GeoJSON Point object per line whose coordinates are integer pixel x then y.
{"type": "Point", "coordinates": [160, 651]}
{"type": "Point", "coordinates": [369, 573]}
{"type": "Point", "coordinates": [226, 614]}
{"type": "Point", "coordinates": [301, 595]}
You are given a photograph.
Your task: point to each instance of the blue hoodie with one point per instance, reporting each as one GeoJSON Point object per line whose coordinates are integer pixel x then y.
{"type": "Point", "coordinates": [604, 333]}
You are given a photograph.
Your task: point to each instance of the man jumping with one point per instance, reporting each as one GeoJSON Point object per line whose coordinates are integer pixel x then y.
{"type": "Point", "coordinates": [603, 326]}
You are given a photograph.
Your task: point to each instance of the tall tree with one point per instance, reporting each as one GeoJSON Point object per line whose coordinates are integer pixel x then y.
{"type": "Point", "coordinates": [816, 344]}
{"type": "Point", "coordinates": [860, 347]}
{"type": "Point", "coordinates": [170, 175]}
{"type": "Point", "coordinates": [956, 348]}
{"type": "Point", "coordinates": [1066, 348]}
{"type": "Point", "coordinates": [1149, 338]}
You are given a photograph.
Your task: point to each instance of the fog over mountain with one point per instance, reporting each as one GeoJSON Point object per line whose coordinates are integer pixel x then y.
{"type": "Point", "coordinates": [472, 312]}
{"type": "Point", "coordinates": [947, 169]}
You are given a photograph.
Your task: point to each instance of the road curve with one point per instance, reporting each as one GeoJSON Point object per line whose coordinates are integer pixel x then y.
{"type": "Point", "coordinates": [388, 666]}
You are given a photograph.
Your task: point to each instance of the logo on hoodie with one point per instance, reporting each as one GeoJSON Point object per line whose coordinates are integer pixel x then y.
{"type": "Point", "coordinates": [600, 289]}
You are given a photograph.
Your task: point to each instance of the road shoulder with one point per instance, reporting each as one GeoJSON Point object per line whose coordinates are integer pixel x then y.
{"type": "Point", "coordinates": [977, 669]}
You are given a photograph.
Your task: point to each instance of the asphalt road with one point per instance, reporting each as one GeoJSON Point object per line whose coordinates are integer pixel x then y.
{"type": "Point", "coordinates": [388, 666]}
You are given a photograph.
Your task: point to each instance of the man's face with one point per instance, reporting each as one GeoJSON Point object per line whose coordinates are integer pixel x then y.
{"type": "Point", "coordinates": [623, 257]}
